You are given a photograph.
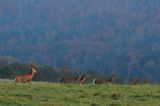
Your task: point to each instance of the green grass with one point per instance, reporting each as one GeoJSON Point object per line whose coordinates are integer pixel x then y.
{"type": "Point", "coordinates": [48, 94]}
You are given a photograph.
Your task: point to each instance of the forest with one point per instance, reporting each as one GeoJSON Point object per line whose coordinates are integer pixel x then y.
{"type": "Point", "coordinates": [10, 67]}
{"type": "Point", "coordinates": [101, 36]}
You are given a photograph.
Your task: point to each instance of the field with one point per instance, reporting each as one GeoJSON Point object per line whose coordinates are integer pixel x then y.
{"type": "Point", "coordinates": [52, 94]}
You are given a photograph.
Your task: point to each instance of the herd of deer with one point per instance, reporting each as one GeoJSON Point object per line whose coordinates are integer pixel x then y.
{"type": "Point", "coordinates": [78, 79]}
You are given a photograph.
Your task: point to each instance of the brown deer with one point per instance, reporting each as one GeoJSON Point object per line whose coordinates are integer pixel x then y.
{"type": "Point", "coordinates": [26, 77]}
{"type": "Point", "coordinates": [72, 79]}
{"type": "Point", "coordinates": [104, 81]}
{"type": "Point", "coordinates": [82, 79]}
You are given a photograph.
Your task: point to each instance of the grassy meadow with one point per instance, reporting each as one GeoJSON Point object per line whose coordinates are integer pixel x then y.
{"type": "Point", "coordinates": [53, 94]}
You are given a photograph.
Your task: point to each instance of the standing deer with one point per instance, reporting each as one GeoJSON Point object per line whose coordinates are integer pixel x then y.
{"type": "Point", "coordinates": [104, 81]}
{"type": "Point", "coordinates": [82, 79]}
{"type": "Point", "coordinates": [26, 77]}
{"type": "Point", "coordinates": [72, 79]}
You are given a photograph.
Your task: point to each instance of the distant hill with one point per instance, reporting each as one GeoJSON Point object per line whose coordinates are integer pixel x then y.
{"type": "Point", "coordinates": [106, 36]}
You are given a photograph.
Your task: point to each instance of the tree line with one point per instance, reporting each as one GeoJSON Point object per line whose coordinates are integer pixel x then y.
{"type": "Point", "coordinates": [44, 72]}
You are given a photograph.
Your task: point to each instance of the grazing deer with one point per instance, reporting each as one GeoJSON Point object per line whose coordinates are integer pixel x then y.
{"type": "Point", "coordinates": [26, 77]}
{"type": "Point", "coordinates": [103, 81]}
{"type": "Point", "coordinates": [72, 79]}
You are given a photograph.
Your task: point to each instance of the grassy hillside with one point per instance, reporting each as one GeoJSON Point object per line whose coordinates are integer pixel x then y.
{"type": "Point", "coordinates": [49, 94]}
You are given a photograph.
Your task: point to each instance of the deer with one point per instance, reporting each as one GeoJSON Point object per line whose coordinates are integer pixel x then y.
{"type": "Point", "coordinates": [104, 81]}
{"type": "Point", "coordinates": [82, 79]}
{"type": "Point", "coordinates": [26, 77]}
{"type": "Point", "coordinates": [72, 79]}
